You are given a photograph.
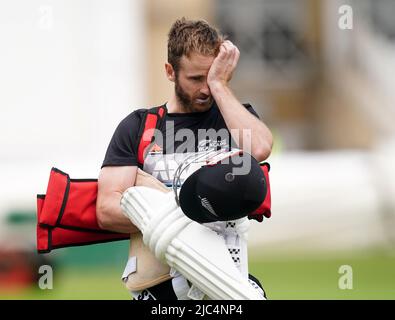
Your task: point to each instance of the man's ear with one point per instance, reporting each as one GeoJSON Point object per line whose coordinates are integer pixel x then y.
{"type": "Point", "coordinates": [170, 73]}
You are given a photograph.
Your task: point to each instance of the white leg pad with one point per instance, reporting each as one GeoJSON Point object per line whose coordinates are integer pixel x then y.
{"type": "Point", "coordinates": [192, 249]}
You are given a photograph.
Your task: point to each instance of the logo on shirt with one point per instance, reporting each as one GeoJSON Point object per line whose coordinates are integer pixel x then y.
{"type": "Point", "coordinates": [155, 149]}
{"type": "Point", "coordinates": [209, 144]}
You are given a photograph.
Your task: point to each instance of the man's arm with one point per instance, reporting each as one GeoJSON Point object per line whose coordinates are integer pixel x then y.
{"type": "Point", "coordinates": [250, 133]}
{"type": "Point", "coordinates": [113, 181]}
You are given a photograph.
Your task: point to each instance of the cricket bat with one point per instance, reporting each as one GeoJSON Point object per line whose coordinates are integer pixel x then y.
{"type": "Point", "coordinates": [150, 271]}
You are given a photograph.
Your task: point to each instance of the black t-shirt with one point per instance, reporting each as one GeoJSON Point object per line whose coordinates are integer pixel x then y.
{"type": "Point", "coordinates": [180, 136]}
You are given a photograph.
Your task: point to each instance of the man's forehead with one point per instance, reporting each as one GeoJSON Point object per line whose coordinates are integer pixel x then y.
{"type": "Point", "coordinates": [196, 62]}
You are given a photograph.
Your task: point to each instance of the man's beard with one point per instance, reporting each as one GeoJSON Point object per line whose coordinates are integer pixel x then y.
{"type": "Point", "coordinates": [185, 100]}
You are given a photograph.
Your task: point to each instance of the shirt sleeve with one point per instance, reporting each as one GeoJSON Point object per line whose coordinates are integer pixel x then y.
{"type": "Point", "coordinates": [122, 148]}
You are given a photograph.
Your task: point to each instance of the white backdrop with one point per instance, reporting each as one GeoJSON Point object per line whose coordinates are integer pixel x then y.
{"type": "Point", "coordinates": [329, 201]}
{"type": "Point", "coordinates": [70, 70]}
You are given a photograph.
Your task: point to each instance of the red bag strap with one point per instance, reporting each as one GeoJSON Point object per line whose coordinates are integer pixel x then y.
{"type": "Point", "coordinates": [150, 122]}
{"type": "Point", "coordinates": [264, 210]}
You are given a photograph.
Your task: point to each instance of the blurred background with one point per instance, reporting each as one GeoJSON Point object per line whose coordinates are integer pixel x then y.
{"type": "Point", "coordinates": [321, 75]}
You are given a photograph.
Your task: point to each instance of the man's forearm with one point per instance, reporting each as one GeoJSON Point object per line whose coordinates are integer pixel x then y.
{"type": "Point", "coordinates": [113, 180]}
{"type": "Point", "coordinates": [249, 133]}
{"type": "Point", "coordinates": [112, 217]}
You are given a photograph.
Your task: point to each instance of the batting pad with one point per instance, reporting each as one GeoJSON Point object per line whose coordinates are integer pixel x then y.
{"type": "Point", "coordinates": [195, 251]}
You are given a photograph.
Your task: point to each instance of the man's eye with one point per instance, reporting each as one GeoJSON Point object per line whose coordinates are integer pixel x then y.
{"type": "Point", "coordinates": [197, 78]}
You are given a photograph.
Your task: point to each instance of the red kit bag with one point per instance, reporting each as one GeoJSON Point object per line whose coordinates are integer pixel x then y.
{"type": "Point", "coordinates": [66, 215]}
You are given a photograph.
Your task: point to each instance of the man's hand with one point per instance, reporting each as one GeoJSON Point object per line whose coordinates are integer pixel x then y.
{"type": "Point", "coordinates": [224, 64]}
{"type": "Point", "coordinates": [249, 133]}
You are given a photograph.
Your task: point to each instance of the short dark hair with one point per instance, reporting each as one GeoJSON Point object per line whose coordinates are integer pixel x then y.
{"type": "Point", "coordinates": [187, 36]}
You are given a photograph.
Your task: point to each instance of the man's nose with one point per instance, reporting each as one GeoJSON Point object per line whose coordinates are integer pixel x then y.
{"type": "Point", "coordinates": [205, 89]}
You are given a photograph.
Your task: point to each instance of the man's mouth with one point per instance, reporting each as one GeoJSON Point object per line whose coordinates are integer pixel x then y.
{"type": "Point", "coordinates": [203, 100]}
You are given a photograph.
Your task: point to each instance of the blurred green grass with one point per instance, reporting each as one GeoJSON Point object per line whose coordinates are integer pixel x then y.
{"type": "Point", "coordinates": [77, 283]}
{"type": "Point", "coordinates": [293, 277]}
{"type": "Point", "coordinates": [317, 277]}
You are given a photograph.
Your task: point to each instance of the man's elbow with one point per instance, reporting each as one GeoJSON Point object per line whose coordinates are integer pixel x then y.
{"type": "Point", "coordinates": [102, 217]}
{"type": "Point", "coordinates": [263, 152]}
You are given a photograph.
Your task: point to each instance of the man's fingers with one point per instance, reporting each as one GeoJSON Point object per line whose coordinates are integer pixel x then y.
{"type": "Point", "coordinates": [231, 58]}
{"type": "Point", "coordinates": [228, 43]}
{"type": "Point", "coordinates": [226, 60]}
{"type": "Point", "coordinates": [229, 47]}
{"type": "Point", "coordinates": [223, 52]}
{"type": "Point", "coordinates": [236, 58]}
{"type": "Point", "coordinates": [232, 52]}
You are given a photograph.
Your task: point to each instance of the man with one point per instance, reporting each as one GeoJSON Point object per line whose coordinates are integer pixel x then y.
{"type": "Point", "coordinates": [200, 64]}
